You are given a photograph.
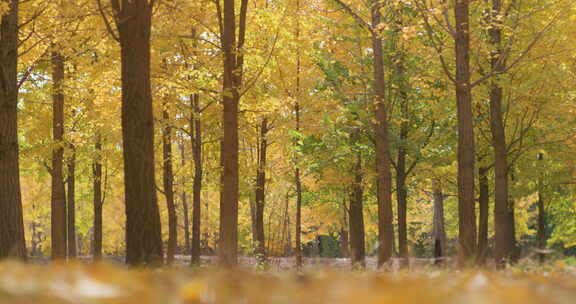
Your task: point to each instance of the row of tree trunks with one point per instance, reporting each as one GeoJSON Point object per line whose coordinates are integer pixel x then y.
{"type": "Point", "coordinates": [98, 199]}
{"type": "Point", "coordinates": [168, 180]}
{"type": "Point", "coordinates": [58, 216]}
{"type": "Point", "coordinates": [260, 192]}
{"type": "Point", "coordinates": [12, 243]}
{"type": "Point", "coordinates": [143, 229]}
{"type": "Point", "coordinates": [466, 149]}
{"type": "Point", "coordinates": [384, 177]}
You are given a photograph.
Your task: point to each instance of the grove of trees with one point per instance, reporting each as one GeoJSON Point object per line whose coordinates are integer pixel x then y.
{"type": "Point", "coordinates": [397, 129]}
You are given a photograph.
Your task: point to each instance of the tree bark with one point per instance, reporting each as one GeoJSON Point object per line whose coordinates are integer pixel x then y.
{"type": "Point", "coordinates": [143, 228]}
{"type": "Point", "coordinates": [233, 61]}
{"type": "Point", "coordinates": [72, 205]}
{"type": "Point", "coordinates": [198, 171]}
{"type": "Point", "coordinates": [466, 149]}
{"type": "Point", "coordinates": [168, 179]}
{"type": "Point", "coordinates": [503, 250]}
{"type": "Point", "coordinates": [297, 178]}
{"type": "Point", "coordinates": [438, 232]}
{"type": "Point", "coordinates": [483, 202]}
{"type": "Point", "coordinates": [384, 177]}
{"type": "Point", "coordinates": [260, 192]}
{"type": "Point", "coordinates": [356, 217]}
{"type": "Point", "coordinates": [58, 194]}
{"type": "Point", "coordinates": [97, 199]}
{"type": "Point", "coordinates": [344, 233]}
{"type": "Point", "coordinates": [12, 240]}
{"type": "Point", "coordinates": [184, 199]}
{"type": "Point", "coordinates": [541, 226]}
{"type": "Point", "coordinates": [401, 191]}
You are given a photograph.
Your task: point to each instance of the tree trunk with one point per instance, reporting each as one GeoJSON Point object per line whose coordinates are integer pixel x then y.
{"type": "Point", "coordinates": [143, 228]}
{"type": "Point", "coordinates": [261, 191]}
{"type": "Point", "coordinates": [356, 218]}
{"type": "Point", "coordinates": [232, 49]}
{"type": "Point", "coordinates": [502, 231]}
{"type": "Point", "coordinates": [384, 177]}
{"type": "Point", "coordinates": [198, 171]}
{"type": "Point", "coordinates": [344, 233]}
{"type": "Point", "coordinates": [168, 179]}
{"type": "Point", "coordinates": [297, 179]}
{"type": "Point", "coordinates": [184, 199]}
{"type": "Point", "coordinates": [483, 202]}
{"type": "Point", "coordinates": [12, 242]}
{"type": "Point", "coordinates": [438, 232]}
{"type": "Point", "coordinates": [401, 191]}
{"type": "Point", "coordinates": [58, 193]}
{"type": "Point", "coordinates": [541, 227]}
{"type": "Point", "coordinates": [98, 199]}
{"type": "Point", "coordinates": [72, 205]}
{"type": "Point", "coordinates": [466, 150]}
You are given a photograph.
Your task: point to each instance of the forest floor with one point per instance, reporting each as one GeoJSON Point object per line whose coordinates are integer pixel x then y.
{"type": "Point", "coordinates": [323, 281]}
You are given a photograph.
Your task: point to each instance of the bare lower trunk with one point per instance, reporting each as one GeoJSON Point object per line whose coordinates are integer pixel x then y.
{"type": "Point", "coordinates": [384, 178]}
{"type": "Point", "coordinates": [438, 232]}
{"type": "Point", "coordinates": [483, 202]}
{"type": "Point", "coordinates": [98, 199]}
{"type": "Point", "coordinates": [357, 238]}
{"type": "Point", "coordinates": [168, 179]}
{"type": "Point", "coordinates": [58, 196]}
{"type": "Point", "coordinates": [184, 199]}
{"type": "Point", "coordinates": [12, 242]}
{"type": "Point", "coordinates": [261, 191]}
{"type": "Point", "coordinates": [72, 205]}
{"type": "Point", "coordinates": [143, 228]}
{"type": "Point", "coordinates": [466, 150]}
{"type": "Point", "coordinates": [503, 249]}
{"type": "Point", "coordinates": [232, 50]}
{"type": "Point", "coordinates": [344, 233]}
{"type": "Point", "coordinates": [541, 227]}
{"type": "Point", "coordinates": [197, 187]}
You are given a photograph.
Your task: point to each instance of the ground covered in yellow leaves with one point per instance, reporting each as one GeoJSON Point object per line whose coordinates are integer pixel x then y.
{"type": "Point", "coordinates": [106, 283]}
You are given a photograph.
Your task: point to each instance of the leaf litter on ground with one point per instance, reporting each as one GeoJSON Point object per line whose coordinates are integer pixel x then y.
{"type": "Point", "coordinates": [108, 283]}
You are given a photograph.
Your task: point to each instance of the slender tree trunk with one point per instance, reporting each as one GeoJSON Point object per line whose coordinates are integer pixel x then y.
{"type": "Point", "coordinates": [58, 196]}
{"type": "Point", "coordinates": [503, 250]}
{"type": "Point", "coordinates": [438, 232]}
{"type": "Point", "coordinates": [401, 191]}
{"type": "Point", "coordinates": [344, 233]}
{"type": "Point", "coordinates": [184, 199]}
{"type": "Point", "coordinates": [483, 202]}
{"type": "Point", "coordinates": [98, 199]}
{"type": "Point", "coordinates": [541, 227]}
{"type": "Point", "coordinates": [143, 228]}
{"type": "Point", "coordinates": [12, 242]}
{"type": "Point", "coordinates": [168, 179]}
{"type": "Point", "coordinates": [197, 187]}
{"type": "Point", "coordinates": [72, 205]}
{"type": "Point", "coordinates": [466, 150]}
{"type": "Point", "coordinates": [261, 191]}
{"type": "Point", "coordinates": [357, 238]}
{"type": "Point", "coordinates": [297, 178]}
{"type": "Point", "coordinates": [384, 177]}
{"type": "Point", "coordinates": [232, 49]}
